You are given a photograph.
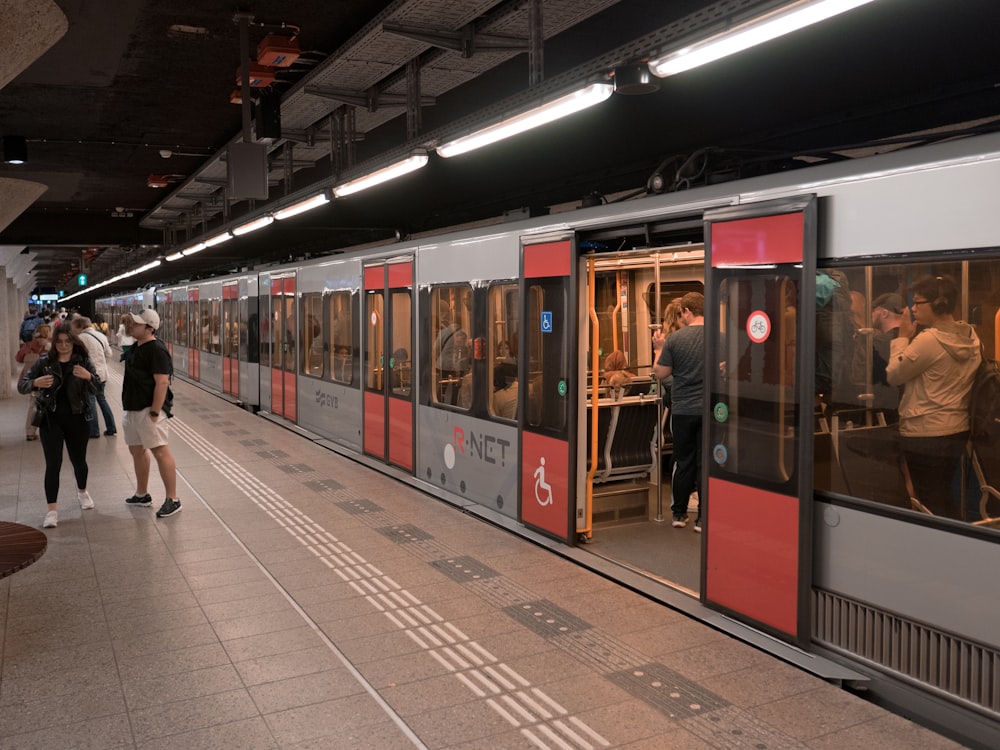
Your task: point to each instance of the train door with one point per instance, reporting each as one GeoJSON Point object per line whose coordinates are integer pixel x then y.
{"type": "Point", "coordinates": [758, 437]}
{"type": "Point", "coordinates": [194, 334]}
{"type": "Point", "coordinates": [282, 346]}
{"type": "Point", "coordinates": [548, 403]}
{"type": "Point", "coordinates": [230, 338]}
{"type": "Point", "coordinates": [387, 347]}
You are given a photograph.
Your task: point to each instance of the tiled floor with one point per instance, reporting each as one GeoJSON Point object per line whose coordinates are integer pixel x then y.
{"type": "Point", "coordinates": [301, 600]}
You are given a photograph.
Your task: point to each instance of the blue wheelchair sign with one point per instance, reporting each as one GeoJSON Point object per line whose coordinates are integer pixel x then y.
{"type": "Point", "coordinates": [546, 321]}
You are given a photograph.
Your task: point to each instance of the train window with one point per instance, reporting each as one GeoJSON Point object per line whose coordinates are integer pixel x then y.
{"type": "Point", "coordinates": [400, 362]}
{"type": "Point", "coordinates": [311, 334]}
{"type": "Point", "coordinates": [504, 304]}
{"type": "Point", "coordinates": [214, 342]}
{"type": "Point", "coordinates": [194, 328]}
{"type": "Point", "coordinates": [284, 332]}
{"type": "Point", "coordinates": [756, 381]}
{"type": "Point", "coordinates": [374, 339]}
{"type": "Point", "coordinates": [180, 323]}
{"type": "Point", "coordinates": [230, 328]}
{"type": "Point", "coordinates": [341, 327]}
{"type": "Point", "coordinates": [548, 356]}
{"type": "Point", "coordinates": [892, 427]}
{"type": "Point", "coordinates": [451, 322]}
{"type": "Point", "coordinates": [265, 331]}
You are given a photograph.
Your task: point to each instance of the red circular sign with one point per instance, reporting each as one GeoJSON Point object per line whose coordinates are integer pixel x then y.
{"type": "Point", "coordinates": [758, 326]}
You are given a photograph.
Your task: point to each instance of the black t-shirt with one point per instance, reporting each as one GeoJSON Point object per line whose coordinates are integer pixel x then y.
{"type": "Point", "coordinates": [142, 362]}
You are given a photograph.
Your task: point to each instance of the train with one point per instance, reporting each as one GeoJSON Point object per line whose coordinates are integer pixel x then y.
{"type": "Point", "coordinates": [470, 364]}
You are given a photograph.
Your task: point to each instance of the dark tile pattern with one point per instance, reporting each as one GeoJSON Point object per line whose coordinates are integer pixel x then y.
{"type": "Point", "coordinates": [323, 485]}
{"type": "Point", "coordinates": [405, 533]}
{"type": "Point", "coordinates": [464, 569]}
{"type": "Point", "coordinates": [668, 691]}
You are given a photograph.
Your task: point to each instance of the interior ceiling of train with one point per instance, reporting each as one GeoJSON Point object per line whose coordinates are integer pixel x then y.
{"type": "Point", "coordinates": [127, 117]}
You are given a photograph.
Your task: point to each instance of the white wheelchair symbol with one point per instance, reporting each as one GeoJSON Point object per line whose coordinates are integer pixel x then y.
{"type": "Point", "coordinates": [546, 322]}
{"type": "Point", "coordinates": [541, 484]}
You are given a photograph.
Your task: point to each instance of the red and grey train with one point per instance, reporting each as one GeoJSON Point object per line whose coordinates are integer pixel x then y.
{"type": "Point", "coordinates": [470, 364]}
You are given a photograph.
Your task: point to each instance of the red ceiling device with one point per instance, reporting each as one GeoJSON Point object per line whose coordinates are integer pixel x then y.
{"type": "Point", "coordinates": [278, 51]}
{"type": "Point", "coordinates": [157, 181]}
{"type": "Point", "coordinates": [261, 76]}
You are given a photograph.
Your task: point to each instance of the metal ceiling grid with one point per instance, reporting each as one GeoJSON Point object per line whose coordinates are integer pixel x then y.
{"type": "Point", "coordinates": [370, 57]}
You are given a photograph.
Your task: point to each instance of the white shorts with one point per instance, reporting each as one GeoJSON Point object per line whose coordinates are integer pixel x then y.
{"type": "Point", "coordinates": [139, 429]}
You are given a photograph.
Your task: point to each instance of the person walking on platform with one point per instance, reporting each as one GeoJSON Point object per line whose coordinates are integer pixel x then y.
{"type": "Point", "coordinates": [27, 355]}
{"type": "Point", "coordinates": [125, 340]}
{"type": "Point", "coordinates": [148, 367]}
{"type": "Point", "coordinates": [683, 356]}
{"type": "Point", "coordinates": [64, 379]}
{"type": "Point", "coordinates": [100, 352]}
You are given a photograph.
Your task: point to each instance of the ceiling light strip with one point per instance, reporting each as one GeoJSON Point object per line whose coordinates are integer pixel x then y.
{"type": "Point", "coordinates": [302, 206]}
{"type": "Point", "coordinates": [743, 36]}
{"type": "Point", "coordinates": [569, 104]}
{"type": "Point", "coordinates": [252, 226]}
{"type": "Point", "coordinates": [410, 164]}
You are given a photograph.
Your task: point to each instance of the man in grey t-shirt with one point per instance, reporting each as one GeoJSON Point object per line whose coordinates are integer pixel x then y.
{"type": "Point", "coordinates": [683, 356]}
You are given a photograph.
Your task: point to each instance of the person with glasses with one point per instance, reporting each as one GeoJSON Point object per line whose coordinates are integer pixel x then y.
{"type": "Point", "coordinates": [936, 366]}
{"type": "Point", "coordinates": [64, 380]}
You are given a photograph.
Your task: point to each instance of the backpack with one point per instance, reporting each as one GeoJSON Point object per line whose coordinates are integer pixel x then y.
{"type": "Point", "coordinates": [984, 402]}
{"type": "Point", "coordinates": [28, 327]}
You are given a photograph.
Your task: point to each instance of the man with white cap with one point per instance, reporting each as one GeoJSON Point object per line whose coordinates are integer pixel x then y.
{"type": "Point", "coordinates": [148, 367]}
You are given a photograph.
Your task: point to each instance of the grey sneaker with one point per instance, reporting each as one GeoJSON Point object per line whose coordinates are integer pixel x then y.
{"type": "Point", "coordinates": [86, 501]}
{"type": "Point", "coordinates": [143, 501]}
{"type": "Point", "coordinates": [679, 521]}
{"type": "Point", "coordinates": [170, 506]}
{"type": "Point", "coordinates": [51, 520]}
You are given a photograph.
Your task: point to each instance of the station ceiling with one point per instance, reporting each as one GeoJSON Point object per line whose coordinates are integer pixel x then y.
{"type": "Point", "coordinates": [142, 88]}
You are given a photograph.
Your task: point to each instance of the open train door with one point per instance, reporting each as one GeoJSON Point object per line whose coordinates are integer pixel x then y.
{"type": "Point", "coordinates": [386, 356]}
{"type": "Point", "coordinates": [548, 333]}
{"type": "Point", "coordinates": [760, 317]}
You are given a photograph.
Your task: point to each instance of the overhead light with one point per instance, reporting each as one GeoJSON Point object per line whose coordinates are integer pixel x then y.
{"type": "Point", "coordinates": [742, 36]}
{"type": "Point", "coordinates": [15, 149]}
{"type": "Point", "coordinates": [410, 164]}
{"type": "Point", "coordinates": [196, 248]}
{"type": "Point", "coordinates": [253, 226]}
{"type": "Point", "coordinates": [576, 101]}
{"type": "Point", "coordinates": [302, 206]}
{"type": "Point", "coordinates": [217, 239]}
{"type": "Point", "coordinates": [175, 256]}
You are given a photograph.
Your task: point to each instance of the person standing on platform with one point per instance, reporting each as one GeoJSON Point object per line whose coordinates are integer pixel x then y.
{"type": "Point", "coordinates": [125, 340]}
{"type": "Point", "coordinates": [28, 355]}
{"type": "Point", "coordinates": [148, 367]}
{"type": "Point", "coordinates": [100, 352]}
{"type": "Point", "coordinates": [64, 378]}
{"type": "Point", "coordinates": [683, 356]}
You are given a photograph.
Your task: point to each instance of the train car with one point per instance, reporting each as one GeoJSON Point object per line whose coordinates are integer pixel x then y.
{"type": "Point", "coordinates": [472, 365]}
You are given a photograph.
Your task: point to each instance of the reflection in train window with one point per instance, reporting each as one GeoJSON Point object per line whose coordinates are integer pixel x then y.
{"type": "Point", "coordinates": [311, 334]}
{"type": "Point", "coordinates": [341, 327]}
{"type": "Point", "coordinates": [755, 378]}
{"type": "Point", "coordinates": [863, 441]}
{"type": "Point", "coordinates": [230, 328]}
{"type": "Point", "coordinates": [374, 339]}
{"type": "Point", "coordinates": [401, 381]}
{"type": "Point", "coordinates": [180, 323]}
{"type": "Point", "coordinates": [265, 331]}
{"type": "Point", "coordinates": [548, 358]}
{"type": "Point", "coordinates": [214, 336]}
{"type": "Point", "coordinates": [451, 353]}
{"type": "Point", "coordinates": [504, 304]}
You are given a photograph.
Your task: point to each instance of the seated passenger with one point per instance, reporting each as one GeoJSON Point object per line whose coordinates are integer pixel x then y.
{"type": "Point", "coordinates": [505, 391]}
{"type": "Point", "coordinates": [616, 373]}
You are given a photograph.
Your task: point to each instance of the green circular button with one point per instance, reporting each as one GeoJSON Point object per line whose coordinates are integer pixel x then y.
{"type": "Point", "coordinates": [721, 412]}
{"type": "Point", "coordinates": [563, 388]}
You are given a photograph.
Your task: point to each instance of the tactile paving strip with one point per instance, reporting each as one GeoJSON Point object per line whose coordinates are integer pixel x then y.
{"type": "Point", "coordinates": [359, 507]}
{"type": "Point", "coordinates": [667, 690]}
{"type": "Point", "coordinates": [731, 728]}
{"type": "Point", "coordinates": [295, 468]}
{"type": "Point", "coordinates": [464, 569]}
{"type": "Point", "coordinates": [272, 454]}
{"type": "Point", "coordinates": [546, 618]}
{"type": "Point", "coordinates": [405, 533]}
{"type": "Point", "coordinates": [323, 485]}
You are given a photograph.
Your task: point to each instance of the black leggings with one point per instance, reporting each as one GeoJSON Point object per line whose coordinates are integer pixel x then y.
{"type": "Point", "coordinates": [73, 430]}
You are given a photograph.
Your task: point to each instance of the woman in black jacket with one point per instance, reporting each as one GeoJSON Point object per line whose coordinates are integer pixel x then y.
{"type": "Point", "coordinates": [63, 380]}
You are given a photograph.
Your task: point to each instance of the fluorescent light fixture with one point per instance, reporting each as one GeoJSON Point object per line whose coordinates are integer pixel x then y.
{"type": "Point", "coordinates": [217, 240]}
{"type": "Point", "coordinates": [197, 248]}
{"type": "Point", "coordinates": [576, 101]}
{"type": "Point", "coordinates": [302, 206]}
{"type": "Point", "coordinates": [253, 226]}
{"type": "Point", "coordinates": [770, 26]}
{"type": "Point", "coordinates": [173, 257]}
{"type": "Point", "coordinates": [410, 164]}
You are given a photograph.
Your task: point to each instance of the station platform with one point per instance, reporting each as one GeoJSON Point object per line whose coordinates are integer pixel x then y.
{"type": "Point", "coordinates": [303, 600]}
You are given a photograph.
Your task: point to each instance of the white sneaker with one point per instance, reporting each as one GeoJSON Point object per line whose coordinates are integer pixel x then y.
{"type": "Point", "coordinates": [51, 520]}
{"type": "Point", "coordinates": [86, 501]}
